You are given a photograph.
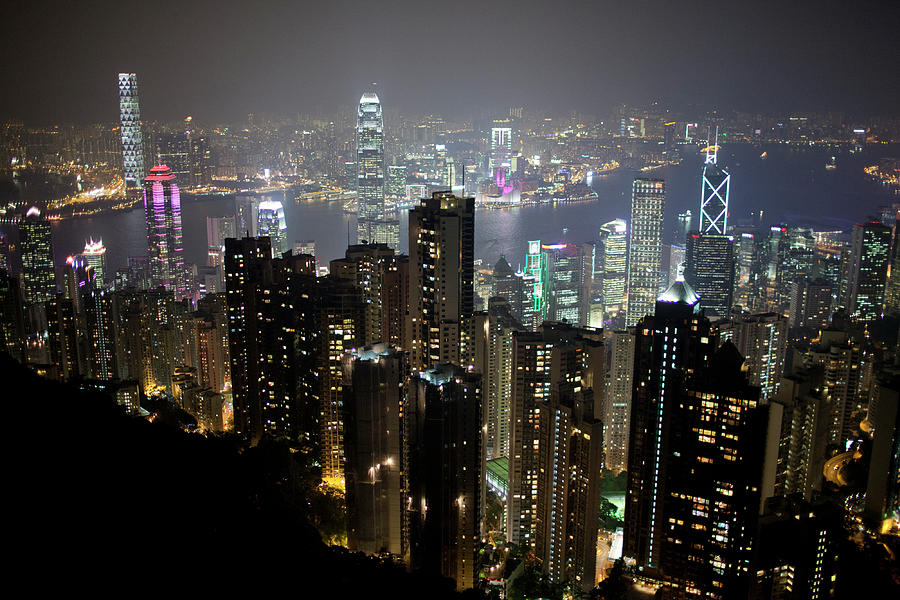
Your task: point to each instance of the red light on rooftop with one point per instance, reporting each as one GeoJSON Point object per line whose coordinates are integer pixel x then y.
{"type": "Point", "coordinates": [659, 185]}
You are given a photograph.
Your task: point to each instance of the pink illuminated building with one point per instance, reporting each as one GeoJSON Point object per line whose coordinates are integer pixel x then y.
{"type": "Point", "coordinates": [162, 209]}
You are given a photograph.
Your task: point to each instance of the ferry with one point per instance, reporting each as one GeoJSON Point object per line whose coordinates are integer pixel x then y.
{"type": "Point", "coordinates": [831, 163]}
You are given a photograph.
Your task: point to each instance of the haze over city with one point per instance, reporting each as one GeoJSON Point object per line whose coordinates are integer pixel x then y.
{"type": "Point", "coordinates": [476, 300]}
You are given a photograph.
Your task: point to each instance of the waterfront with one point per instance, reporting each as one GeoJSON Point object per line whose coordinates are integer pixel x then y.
{"type": "Point", "coordinates": [791, 185]}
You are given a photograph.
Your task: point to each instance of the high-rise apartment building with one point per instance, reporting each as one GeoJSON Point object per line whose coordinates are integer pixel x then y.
{"type": "Point", "coordinates": [840, 356]}
{"type": "Point", "coordinates": [441, 292]}
{"type": "Point", "coordinates": [38, 273]}
{"type": "Point", "coordinates": [132, 136]}
{"type": "Point", "coordinates": [367, 266]}
{"type": "Point", "coordinates": [811, 303]}
{"type": "Point", "coordinates": [648, 202]}
{"type": "Point", "coordinates": [544, 364]}
{"type": "Point", "coordinates": [617, 410]}
{"type": "Point", "coordinates": [444, 472]}
{"type": "Point", "coordinates": [165, 247]}
{"type": "Point", "coordinates": [762, 340]}
{"type": "Point", "coordinates": [374, 392]}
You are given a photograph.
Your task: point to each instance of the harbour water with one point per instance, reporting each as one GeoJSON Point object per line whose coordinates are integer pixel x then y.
{"type": "Point", "coordinates": [791, 185]}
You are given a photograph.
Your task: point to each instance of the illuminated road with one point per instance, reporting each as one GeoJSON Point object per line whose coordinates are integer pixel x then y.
{"type": "Point", "coordinates": [834, 467]}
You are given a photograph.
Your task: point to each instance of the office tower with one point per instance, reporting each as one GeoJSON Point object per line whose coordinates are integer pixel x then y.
{"type": "Point", "coordinates": [132, 137]}
{"type": "Point", "coordinates": [341, 322]}
{"type": "Point", "coordinates": [867, 267]}
{"type": "Point", "coordinates": [493, 359]}
{"type": "Point", "coordinates": [374, 391]}
{"type": "Point", "coordinates": [100, 333]}
{"type": "Point", "coordinates": [669, 345]}
{"type": "Point", "coordinates": [883, 420]}
{"type": "Point", "coordinates": [810, 303]}
{"type": "Point", "coordinates": [443, 467]}
{"type": "Point", "coordinates": [271, 223]}
{"type": "Point", "coordinates": [714, 195]}
{"type": "Point", "coordinates": [501, 149]}
{"type": "Point", "coordinates": [683, 227]}
{"type": "Point", "coordinates": [273, 341]}
{"type": "Point", "coordinates": [396, 184]}
{"type": "Point", "coordinates": [747, 283]}
{"type": "Point", "coordinates": [696, 454]}
{"type": "Point", "coordinates": [569, 282]}
{"type": "Point", "coordinates": [94, 255]}
{"type": "Point", "coordinates": [162, 209]}
{"type": "Point", "coordinates": [709, 269]}
{"type": "Point", "coordinates": [12, 317]}
{"type": "Point", "coordinates": [840, 356]}
{"type": "Point", "coordinates": [762, 341]}
{"type": "Point", "coordinates": [218, 229]}
{"type": "Point", "coordinates": [614, 256]}
{"type": "Point", "coordinates": [796, 550]}
{"type": "Point", "coordinates": [536, 281]}
{"type": "Point", "coordinates": [617, 411]}
{"type": "Point", "coordinates": [804, 413]}
{"type": "Point", "coordinates": [246, 214]}
{"type": "Point", "coordinates": [647, 210]}
{"type": "Point", "coordinates": [372, 224]}
{"type": "Point", "coordinates": [365, 266]}
{"type": "Point", "coordinates": [441, 278]}
{"type": "Point", "coordinates": [38, 274]}
{"type": "Point", "coordinates": [506, 284]}
{"type": "Point", "coordinates": [542, 361]}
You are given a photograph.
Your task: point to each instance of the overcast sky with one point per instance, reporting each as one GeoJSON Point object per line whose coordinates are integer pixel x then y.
{"type": "Point", "coordinates": [221, 60]}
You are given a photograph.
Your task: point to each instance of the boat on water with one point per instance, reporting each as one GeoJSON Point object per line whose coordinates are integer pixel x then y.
{"type": "Point", "coordinates": [831, 163]}
{"type": "Point", "coordinates": [764, 155]}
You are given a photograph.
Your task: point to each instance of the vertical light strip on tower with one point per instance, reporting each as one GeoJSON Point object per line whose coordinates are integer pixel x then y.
{"type": "Point", "coordinates": [132, 139]}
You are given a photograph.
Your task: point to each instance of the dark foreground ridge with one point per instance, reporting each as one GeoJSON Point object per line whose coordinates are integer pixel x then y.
{"type": "Point", "coordinates": [102, 501]}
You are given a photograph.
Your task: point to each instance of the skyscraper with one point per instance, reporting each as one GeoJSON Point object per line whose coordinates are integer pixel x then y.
{"type": "Point", "coordinates": [374, 390]}
{"type": "Point", "coordinates": [617, 409]}
{"type": "Point", "coordinates": [709, 267]}
{"type": "Point", "coordinates": [94, 255]}
{"type": "Point", "coordinates": [372, 224]}
{"type": "Point", "coordinates": [441, 278]}
{"type": "Point", "coordinates": [271, 223]}
{"type": "Point", "coordinates": [762, 340]}
{"type": "Point", "coordinates": [669, 344]}
{"type": "Point", "coordinates": [132, 137]}
{"type": "Point", "coordinates": [614, 257]}
{"type": "Point", "coordinates": [38, 273]}
{"type": "Point", "coordinates": [493, 359]}
{"type": "Point", "coordinates": [443, 467]}
{"type": "Point", "coordinates": [570, 282]}
{"type": "Point", "coordinates": [501, 149]}
{"type": "Point", "coordinates": [867, 271]}
{"type": "Point", "coordinates": [162, 210]}
{"type": "Point", "coordinates": [648, 202]}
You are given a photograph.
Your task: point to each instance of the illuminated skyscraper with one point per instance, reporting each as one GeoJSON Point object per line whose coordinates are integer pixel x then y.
{"type": "Point", "coordinates": [714, 195]}
{"type": "Point", "coordinates": [867, 271]}
{"type": "Point", "coordinates": [162, 210]}
{"type": "Point", "coordinates": [218, 229]}
{"type": "Point", "coordinates": [501, 149]}
{"type": "Point", "coordinates": [570, 282]}
{"type": "Point", "coordinates": [372, 223]}
{"type": "Point", "coordinates": [614, 257]}
{"type": "Point", "coordinates": [132, 137]}
{"type": "Point", "coordinates": [617, 409]}
{"type": "Point", "coordinates": [648, 202]}
{"type": "Point", "coordinates": [441, 278]}
{"type": "Point", "coordinates": [95, 256]}
{"type": "Point", "coordinates": [36, 245]}
{"type": "Point", "coordinates": [271, 223]}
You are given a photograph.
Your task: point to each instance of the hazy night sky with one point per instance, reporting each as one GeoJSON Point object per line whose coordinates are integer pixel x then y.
{"type": "Point", "coordinates": [221, 60]}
